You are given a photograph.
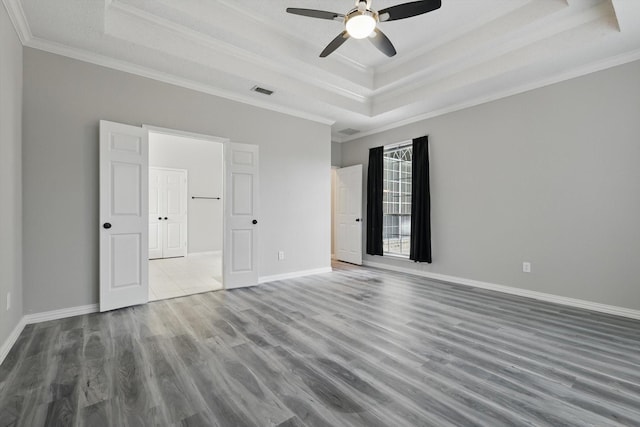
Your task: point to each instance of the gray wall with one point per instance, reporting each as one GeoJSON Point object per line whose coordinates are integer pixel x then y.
{"type": "Point", "coordinates": [336, 154]}
{"type": "Point", "coordinates": [551, 176]}
{"type": "Point", "coordinates": [63, 101]}
{"type": "Point", "coordinates": [336, 162]}
{"type": "Point", "coordinates": [10, 175]}
{"type": "Point", "coordinates": [203, 162]}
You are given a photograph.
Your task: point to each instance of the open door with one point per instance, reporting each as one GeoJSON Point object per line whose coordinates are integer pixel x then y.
{"type": "Point", "coordinates": [348, 215]}
{"type": "Point", "coordinates": [241, 216]}
{"type": "Point", "coordinates": [124, 228]}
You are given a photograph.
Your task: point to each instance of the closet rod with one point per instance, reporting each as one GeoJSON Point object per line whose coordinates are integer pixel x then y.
{"type": "Point", "coordinates": [212, 198]}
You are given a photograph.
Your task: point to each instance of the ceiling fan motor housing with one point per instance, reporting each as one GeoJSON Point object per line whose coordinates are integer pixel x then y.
{"type": "Point", "coordinates": [360, 23]}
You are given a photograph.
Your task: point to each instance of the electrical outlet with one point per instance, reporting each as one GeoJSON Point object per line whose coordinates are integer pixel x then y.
{"type": "Point", "coordinates": [526, 267]}
{"type": "Point", "coordinates": [280, 255]}
{"type": "Point", "coordinates": [8, 301]}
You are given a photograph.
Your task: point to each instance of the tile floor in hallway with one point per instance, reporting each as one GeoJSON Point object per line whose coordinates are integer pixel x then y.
{"type": "Point", "coordinates": [176, 277]}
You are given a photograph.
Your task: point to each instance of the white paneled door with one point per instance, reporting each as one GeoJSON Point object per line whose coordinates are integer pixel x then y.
{"type": "Point", "coordinates": [167, 213]}
{"type": "Point", "coordinates": [241, 215]}
{"type": "Point", "coordinates": [123, 216]}
{"type": "Point", "coordinates": [348, 215]}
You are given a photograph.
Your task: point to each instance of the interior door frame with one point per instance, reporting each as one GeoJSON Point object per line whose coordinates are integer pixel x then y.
{"type": "Point", "coordinates": [208, 138]}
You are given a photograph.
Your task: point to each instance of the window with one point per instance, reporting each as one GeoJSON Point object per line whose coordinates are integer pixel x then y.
{"type": "Point", "coordinates": [396, 201]}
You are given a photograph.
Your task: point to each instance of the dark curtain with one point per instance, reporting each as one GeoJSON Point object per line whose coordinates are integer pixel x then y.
{"type": "Point", "coordinates": [374, 201]}
{"type": "Point", "coordinates": [420, 250]}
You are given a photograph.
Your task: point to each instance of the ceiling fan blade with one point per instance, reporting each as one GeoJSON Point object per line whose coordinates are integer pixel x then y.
{"type": "Point", "coordinates": [407, 10]}
{"type": "Point", "coordinates": [335, 43]}
{"type": "Point", "coordinates": [382, 42]}
{"type": "Point", "coordinates": [312, 13]}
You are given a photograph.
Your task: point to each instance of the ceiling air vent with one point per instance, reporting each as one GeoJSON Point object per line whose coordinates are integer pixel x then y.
{"type": "Point", "coordinates": [348, 131]}
{"type": "Point", "coordinates": [261, 90]}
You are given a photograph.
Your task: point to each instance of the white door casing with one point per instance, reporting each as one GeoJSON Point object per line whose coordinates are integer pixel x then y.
{"type": "Point", "coordinates": [155, 212]}
{"type": "Point", "coordinates": [167, 213]}
{"type": "Point", "coordinates": [241, 215]}
{"type": "Point", "coordinates": [348, 238]}
{"type": "Point", "coordinates": [124, 224]}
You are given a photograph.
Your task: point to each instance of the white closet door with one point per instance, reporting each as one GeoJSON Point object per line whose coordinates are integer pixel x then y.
{"type": "Point", "coordinates": [175, 218]}
{"type": "Point", "coordinates": [167, 213]}
{"type": "Point", "coordinates": [123, 216]}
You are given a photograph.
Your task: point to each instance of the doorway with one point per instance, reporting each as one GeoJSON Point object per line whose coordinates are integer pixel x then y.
{"type": "Point", "coordinates": [124, 213]}
{"type": "Point", "coordinates": [186, 182]}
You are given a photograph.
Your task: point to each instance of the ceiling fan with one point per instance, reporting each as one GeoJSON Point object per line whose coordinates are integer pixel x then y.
{"type": "Point", "coordinates": [362, 22]}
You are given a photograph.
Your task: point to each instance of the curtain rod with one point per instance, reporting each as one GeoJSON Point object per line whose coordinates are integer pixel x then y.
{"type": "Point", "coordinates": [397, 145]}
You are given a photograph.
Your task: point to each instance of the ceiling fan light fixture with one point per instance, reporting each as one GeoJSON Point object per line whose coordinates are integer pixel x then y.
{"type": "Point", "coordinates": [360, 24]}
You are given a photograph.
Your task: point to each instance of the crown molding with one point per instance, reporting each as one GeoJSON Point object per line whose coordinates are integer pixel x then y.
{"type": "Point", "coordinates": [420, 71]}
{"type": "Point", "coordinates": [260, 61]}
{"type": "Point", "coordinates": [558, 78]}
{"type": "Point", "coordinates": [327, 109]}
{"type": "Point", "coordinates": [337, 56]}
{"type": "Point", "coordinates": [452, 35]}
{"type": "Point", "coordinates": [108, 62]}
{"type": "Point", "coordinates": [18, 19]}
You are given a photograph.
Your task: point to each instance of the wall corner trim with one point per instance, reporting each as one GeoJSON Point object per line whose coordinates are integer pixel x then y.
{"type": "Point", "coordinates": [18, 19]}
{"type": "Point", "coordinates": [150, 73]}
{"type": "Point", "coordinates": [11, 339]}
{"type": "Point", "coordinates": [42, 317]}
{"type": "Point", "coordinates": [293, 275]}
{"type": "Point", "coordinates": [541, 296]}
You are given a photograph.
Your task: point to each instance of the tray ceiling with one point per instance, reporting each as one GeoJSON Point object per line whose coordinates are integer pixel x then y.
{"type": "Point", "coordinates": [463, 54]}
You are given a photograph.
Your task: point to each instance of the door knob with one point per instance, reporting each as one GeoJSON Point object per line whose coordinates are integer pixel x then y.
{"type": "Point", "coordinates": [357, 219]}
{"type": "Point", "coordinates": [160, 218]}
{"type": "Point", "coordinates": [107, 225]}
{"type": "Point", "coordinates": [255, 221]}
{"type": "Point", "coordinates": [166, 217]}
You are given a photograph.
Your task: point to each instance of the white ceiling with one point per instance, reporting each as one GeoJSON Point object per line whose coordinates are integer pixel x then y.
{"type": "Point", "coordinates": [465, 53]}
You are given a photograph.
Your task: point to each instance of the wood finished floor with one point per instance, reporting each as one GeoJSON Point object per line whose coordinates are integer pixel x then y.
{"type": "Point", "coordinates": [356, 347]}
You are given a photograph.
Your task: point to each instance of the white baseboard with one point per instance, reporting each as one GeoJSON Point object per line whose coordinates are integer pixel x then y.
{"type": "Point", "coordinates": [204, 253]}
{"type": "Point", "coordinates": [542, 296]}
{"type": "Point", "coordinates": [11, 339]}
{"type": "Point", "coordinates": [60, 314]}
{"type": "Point", "coordinates": [42, 317]}
{"type": "Point", "coordinates": [93, 308]}
{"type": "Point", "coordinates": [571, 302]}
{"type": "Point", "coordinates": [293, 275]}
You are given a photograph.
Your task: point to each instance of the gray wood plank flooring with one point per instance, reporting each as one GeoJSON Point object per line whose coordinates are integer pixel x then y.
{"type": "Point", "coordinates": [355, 347]}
